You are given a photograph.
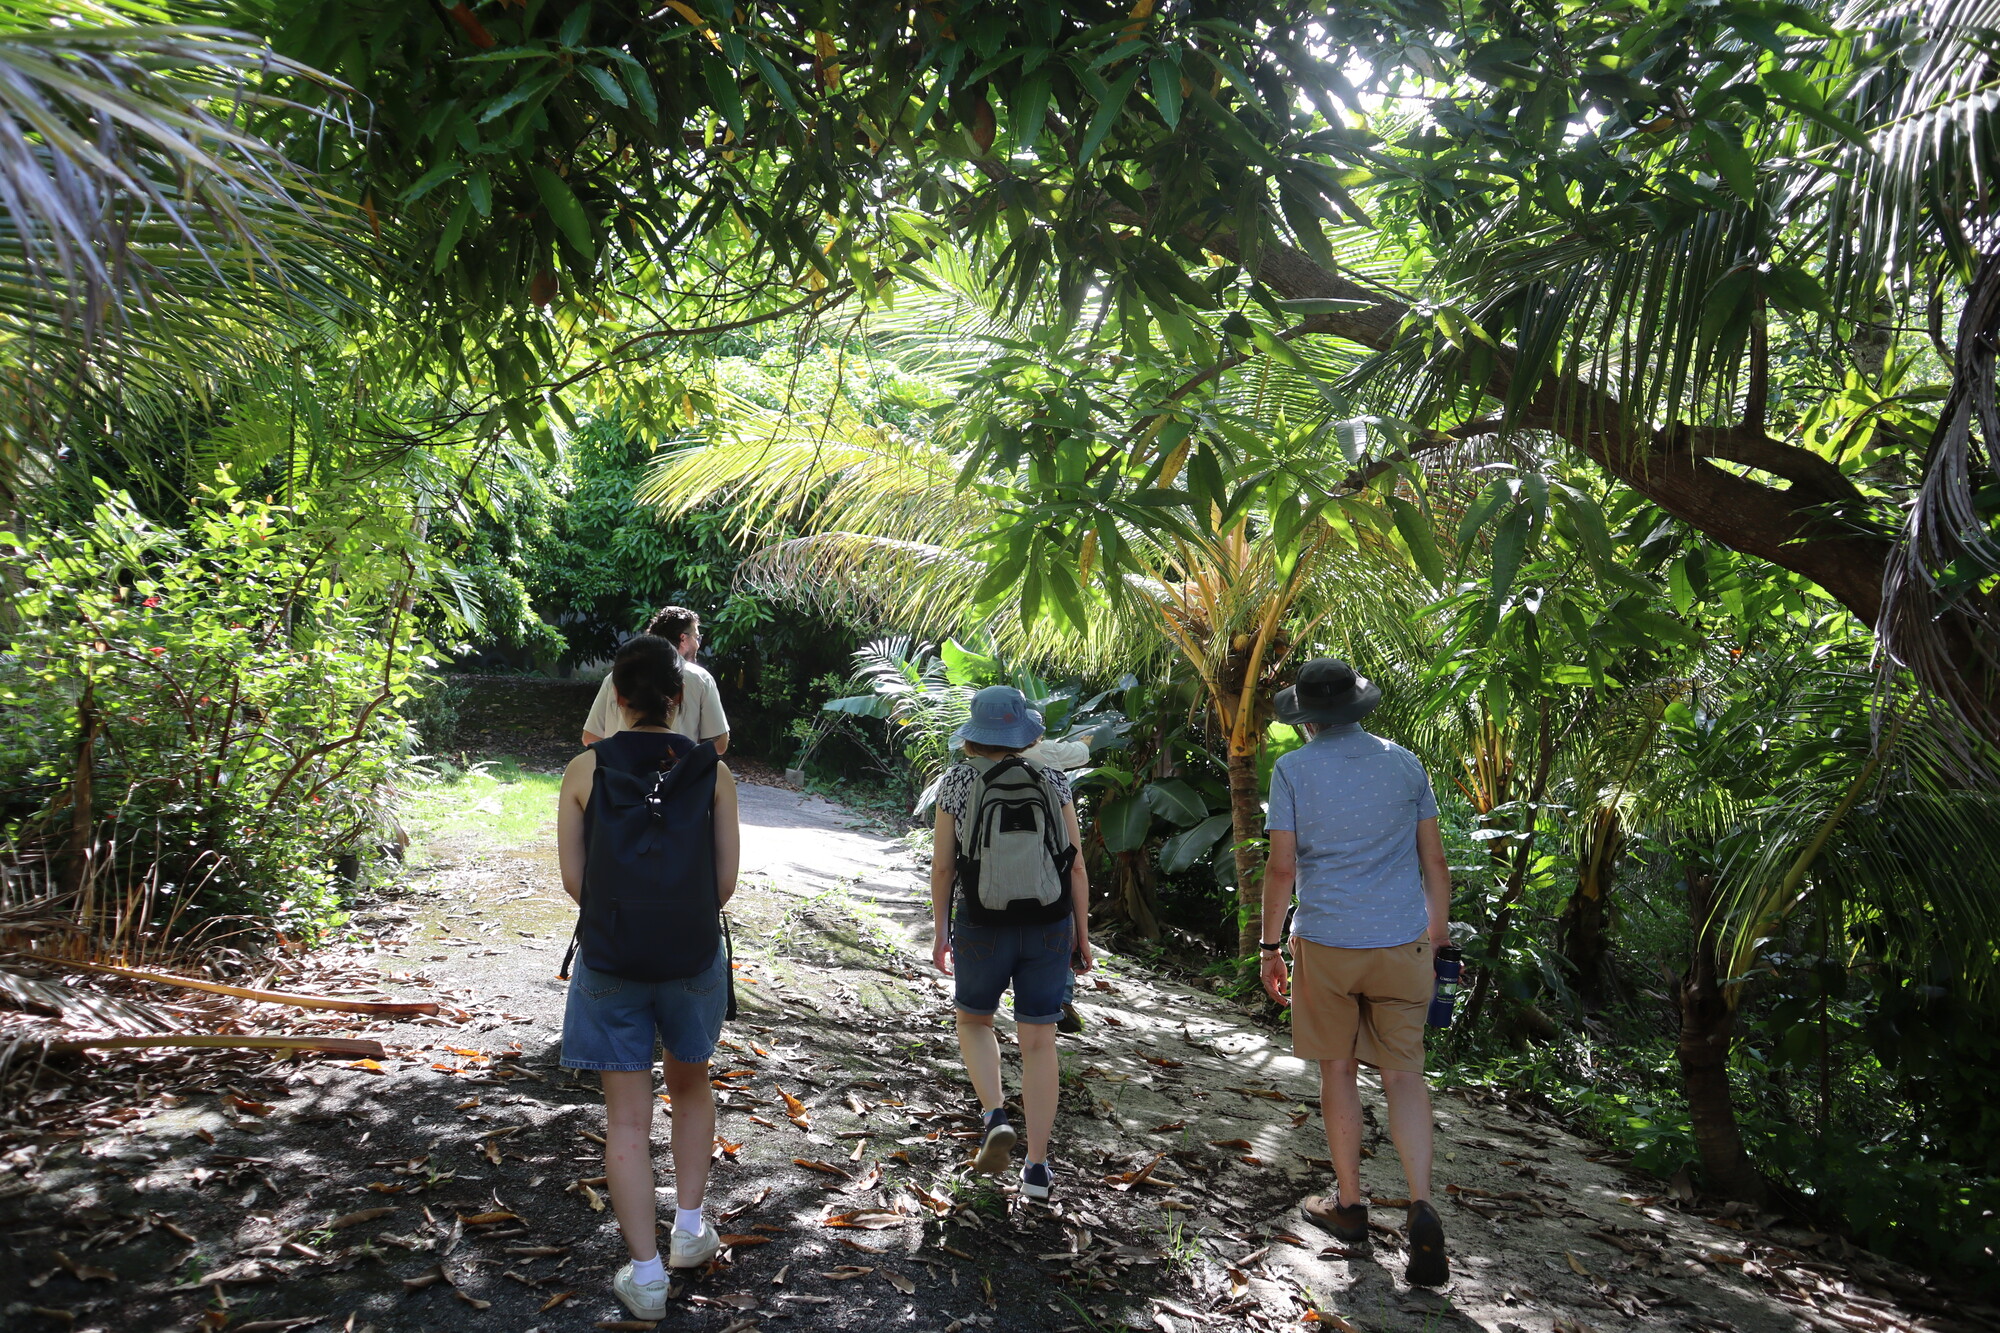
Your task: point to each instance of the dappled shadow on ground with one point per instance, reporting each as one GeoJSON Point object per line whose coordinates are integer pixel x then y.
{"type": "Point", "coordinates": [457, 1186]}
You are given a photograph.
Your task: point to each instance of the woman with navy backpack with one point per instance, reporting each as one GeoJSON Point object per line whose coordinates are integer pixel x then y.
{"type": "Point", "coordinates": [1011, 906]}
{"type": "Point", "coordinates": [648, 839]}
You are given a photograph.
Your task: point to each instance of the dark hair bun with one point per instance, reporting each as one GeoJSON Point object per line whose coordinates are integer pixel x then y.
{"type": "Point", "coordinates": [647, 676]}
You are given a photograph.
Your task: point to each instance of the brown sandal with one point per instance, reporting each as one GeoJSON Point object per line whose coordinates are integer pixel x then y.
{"type": "Point", "coordinates": [1346, 1224]}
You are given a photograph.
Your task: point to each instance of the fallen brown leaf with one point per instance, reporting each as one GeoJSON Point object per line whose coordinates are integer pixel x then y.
{"type": "Point", "coordinates": [900, 1283]}
{"type": "Point", "coordinates": [1171, 1127]}
{"type": "Point", "coordinates": [483, 1219]}
{"type": "Point", "coordinates": [249, 1107]}
{"type": "Point", "coordinates": [472, 1301]}
{"type": "Point", "coordinates": [355, 1219]}
{"type": "Point", "coordinates": [740, 1239]}
{"type": "Point", "coordinates": [873, 1219]}
{"type": "Point", "coordinates": [430, 1277]}
{"type": "Point", "coordinates": [824, 1168]}
{"type": "Point", "coordinates": [846, 1271]}
{"type": "Point", "coordinates": [1234, 1145]}
{"type": "Point", "coordinates": [555, 1300]}
{"type": "Point", "coordinates": [84, 1272]}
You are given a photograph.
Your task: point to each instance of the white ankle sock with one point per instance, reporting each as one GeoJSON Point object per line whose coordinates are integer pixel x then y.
{"type": "Point", "coordinates": [688, 1220]}
{"type": "Point", "coordinates": [648, 1271]}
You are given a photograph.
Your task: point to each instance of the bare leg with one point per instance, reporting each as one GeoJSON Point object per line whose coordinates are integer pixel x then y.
{"type": "Point", "coordinates": [694, 1129]}
{"type": "Point", "coordinates": [1039, 1077]}
{"type": "Point", "coordinates": [980, 1049]}
{"type": "Point", "coordinates": [628, 1157]}
{"type": "Point", "coordinates": [1410, 1126]}
{"type": "Point", "coordinates": [1340, 1107]}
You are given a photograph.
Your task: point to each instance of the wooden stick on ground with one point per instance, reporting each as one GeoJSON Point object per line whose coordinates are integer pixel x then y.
{"type": "Point", "coordinates": [384, 1007]}
{"type": "Point", "coordinates": [355, 1046]}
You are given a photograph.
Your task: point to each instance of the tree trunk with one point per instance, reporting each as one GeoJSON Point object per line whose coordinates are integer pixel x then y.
{"type": "Point", "coordinates": [77, 876]}
{"type": "Point", "coordinates": [1246, 821]}
{"type": "Point", "coordinates": [1707, 1027]}
{"type": "Point", "coordinates": [1132, 893]}
{"type": "Point", "coordinates": [1583, 932]}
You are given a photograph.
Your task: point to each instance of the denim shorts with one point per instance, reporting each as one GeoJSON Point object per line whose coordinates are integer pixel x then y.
{"type": "Point", "coordinates": [1034, 959]}
{"type": "Point", "coordinates": [610, 1023]}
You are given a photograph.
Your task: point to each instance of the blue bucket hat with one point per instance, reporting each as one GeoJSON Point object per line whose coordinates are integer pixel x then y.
{"type": "Point", "coordinates": [1001, 718]}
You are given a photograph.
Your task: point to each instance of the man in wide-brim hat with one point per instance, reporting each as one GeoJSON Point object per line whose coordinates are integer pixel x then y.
{"type": "Point", "coordinates": [1353, 827]}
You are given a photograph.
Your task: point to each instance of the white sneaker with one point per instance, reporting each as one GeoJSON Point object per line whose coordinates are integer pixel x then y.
{"type": "Point", "coordinates": [686, 1251]}
{"type": "Point", "coordinates": [646, 1300]}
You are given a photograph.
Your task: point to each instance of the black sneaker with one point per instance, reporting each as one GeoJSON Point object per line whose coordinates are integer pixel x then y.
{"type": "Point", "coordinates": [1037, 1181]}
{"type": "Point", "coordinates": [1428, 1265]}
{"type": "Point", "coordinates": [998, 1145]}
{"type": "Point", "coordinates": [1071, 1021]}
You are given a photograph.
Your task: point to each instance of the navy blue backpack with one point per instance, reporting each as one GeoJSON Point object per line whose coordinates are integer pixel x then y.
{"type": "Point", "coordinates": [649, 902]}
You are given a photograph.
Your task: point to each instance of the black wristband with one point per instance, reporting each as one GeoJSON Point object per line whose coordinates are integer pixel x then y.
{"type": "Point", "coordinates": [1270, 948]}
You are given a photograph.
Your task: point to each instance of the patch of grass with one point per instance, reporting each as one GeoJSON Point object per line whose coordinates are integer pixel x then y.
{"type": "Point", "coordinates": [499, 800]}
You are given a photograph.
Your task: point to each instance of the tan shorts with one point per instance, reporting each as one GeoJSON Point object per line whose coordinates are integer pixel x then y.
{"type": "Point", "coordinates": [1362, 1004]}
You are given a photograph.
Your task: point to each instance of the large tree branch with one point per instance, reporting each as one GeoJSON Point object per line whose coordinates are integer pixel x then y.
{"type": "Point", "coordinates": [1670, 467]}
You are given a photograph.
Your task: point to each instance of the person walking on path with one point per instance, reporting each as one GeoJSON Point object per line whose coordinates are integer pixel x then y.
{"type": "Point", "coordinates": [699, 715]}
{"type": "Point", "coordinates": [1010, 903]}
{"type": "Point", "coordinates": [1353, 828]}
{"type": "Point", "coordinates": [647, 837]}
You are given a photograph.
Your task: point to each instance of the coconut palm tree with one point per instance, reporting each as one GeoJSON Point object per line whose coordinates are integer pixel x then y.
{"type": "Point", "coordinates": [151, 244]}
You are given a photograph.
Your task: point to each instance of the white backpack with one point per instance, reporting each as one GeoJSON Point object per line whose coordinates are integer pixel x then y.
{"type": "Point", "coordinates": [1012, 847]}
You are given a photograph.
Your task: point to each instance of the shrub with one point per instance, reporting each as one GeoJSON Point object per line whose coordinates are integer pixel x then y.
{"type": "Point", "coordinates": [202, 723]}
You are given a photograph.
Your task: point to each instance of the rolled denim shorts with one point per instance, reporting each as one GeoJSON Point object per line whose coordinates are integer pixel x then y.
{"type": "Point", "coordinates": [1033, 959]}
{"type": "Point", "coordinates": [610, 1023]}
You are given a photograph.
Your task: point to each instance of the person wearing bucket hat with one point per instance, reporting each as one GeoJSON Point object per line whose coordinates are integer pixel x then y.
{"type": "Point", "coordinates": [1011, 907]}
{"type": "Point", "coordinates": [1353, 829]}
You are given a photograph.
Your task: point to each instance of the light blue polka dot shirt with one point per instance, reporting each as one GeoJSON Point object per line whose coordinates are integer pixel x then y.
{"type": "Point", "coordinates": [1355, 801]}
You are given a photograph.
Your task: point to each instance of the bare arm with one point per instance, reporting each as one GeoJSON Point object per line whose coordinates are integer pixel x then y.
{"type": "Point", "coordinates": [571, 848]}
{"type": "Point", "coordinates": [1079, 889]}
{"type": "Point", "coordinates": [721, 743]}
{"type": "Point", "coordinates": [590, 737]}
{"type": "Point", "coordinates": [1437, 881]}
{"type": "Point", "coordinates": [728, 836]}
{"type": "Point", "coordinates": [1281, 873]}
{"type": "Point", "coordinates": [944, 869]}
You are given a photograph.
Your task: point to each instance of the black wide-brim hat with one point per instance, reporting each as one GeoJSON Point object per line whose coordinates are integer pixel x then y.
{"type": "Point", "coordinates": [1328, 693]}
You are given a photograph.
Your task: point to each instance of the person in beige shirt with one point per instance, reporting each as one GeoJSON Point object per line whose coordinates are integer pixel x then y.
{"type": "Point", "coordinates": [700, 716]}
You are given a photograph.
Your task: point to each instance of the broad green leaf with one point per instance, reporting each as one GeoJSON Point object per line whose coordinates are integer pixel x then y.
{"type": "Point", "coordinates": [1175, 801]}
{"type": "Point", "coordinates": [1417, 536]}
{"type": "Point", "coordinates": [1732, 160]}
{"type": "Point", "coordinates": [607, 85]}
{"type": "Point", "coordinates": [1166, 80]}
{"type": "Point", "coordinates": [1029, 107]}
{"type": "Point", "coordinates": [1107, 115]}
{"type": "Point", "coordinates": [1191, 846]}
{"type": "Point", "coordinates": [565, 209]}
{"type": "Point", "coordinates": [1124, 822]}
{"type": "Point", "coordinates": [1510, 543]}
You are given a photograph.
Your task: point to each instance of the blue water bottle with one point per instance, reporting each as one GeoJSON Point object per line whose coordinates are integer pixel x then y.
{"type": "Point", "coordinates": [1449, 962]}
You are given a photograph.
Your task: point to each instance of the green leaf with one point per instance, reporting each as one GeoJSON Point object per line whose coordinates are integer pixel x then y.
{"type": "Point", "coordinates": [963, 666]}
{"type": "Point", "coordinates": [1476, 515]}
{"type": "Point", "coordinates": [607, 85]}
{"type": "Point", "coordinates": [1732, 160]}
{"type": "Point", "coordinates": [1417, 535]}
{"type": "Point", "coordinates": [1060, 576]}
{"type": "Point", "coordinates": [1166, 80]}
{"type": "Point", "coordinates": [1003, 575]}
{"type": "Point", "coordinates": [1175, 801]}
{"type": "Point", "coordinates": [1029, 107]}
{"type": "Point", "coordinates": [1510, 543]}
{"type": "Point", "coordinates": [1190, 846]}
{"type": "Point", "coordinates": [1124, 823]}
{"type": "Point", "coordinates": [565, 209]}
{"type": "Point", "coordinates": [453, 229]}
{"type": "Point", "coordinates": [728, 99]}
{"type": "Point", "coordinates": [1107, 115]}
{"type": "Point", "coordinates": [576, 27]}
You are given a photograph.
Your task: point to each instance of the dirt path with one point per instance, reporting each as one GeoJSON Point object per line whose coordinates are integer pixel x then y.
{"type": "Point", "coordinates": [453, 1188]}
